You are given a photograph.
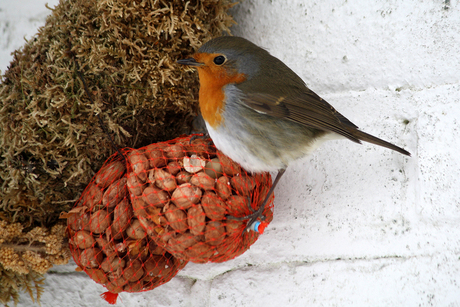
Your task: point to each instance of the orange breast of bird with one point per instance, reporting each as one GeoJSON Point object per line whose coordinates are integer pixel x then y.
{"type": "Point", "coordinates": [213, 79]}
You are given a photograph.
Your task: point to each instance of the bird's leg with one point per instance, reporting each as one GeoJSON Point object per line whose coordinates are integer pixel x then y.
{"type": "Point", "coordinates": [258, 213]}
{"type": "Point", "coordinates": [250, 206]}
{"type": "Point", "coordinates": [198, 126]}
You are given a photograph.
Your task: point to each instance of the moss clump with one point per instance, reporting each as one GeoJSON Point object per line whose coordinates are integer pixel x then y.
{"type": "Point", "coordinates": [51, 143]}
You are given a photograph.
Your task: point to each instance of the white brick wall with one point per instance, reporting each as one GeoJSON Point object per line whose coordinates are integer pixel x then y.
{"type": "Point", "coordinates": [353, 225]}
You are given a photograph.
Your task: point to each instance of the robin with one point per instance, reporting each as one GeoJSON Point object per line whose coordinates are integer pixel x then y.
{"type": "Point", "coordinates": [260, 113]}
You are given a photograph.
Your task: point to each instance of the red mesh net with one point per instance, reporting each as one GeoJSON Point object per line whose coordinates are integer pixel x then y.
{"type": "Point", "coordinates": [182, 193]}
{"type": "Point", "coordinates": [137, 224]}
{"type": "Point", "coordinates": [108, 242]}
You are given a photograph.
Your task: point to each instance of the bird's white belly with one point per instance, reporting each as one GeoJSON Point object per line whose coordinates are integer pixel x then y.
{"type": "Point", "coordinates": [240, 153]}
{"type": "Point", "coordinates": [234, 147]}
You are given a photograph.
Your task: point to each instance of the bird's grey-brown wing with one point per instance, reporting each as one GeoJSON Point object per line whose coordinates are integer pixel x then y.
{"type": "Point", "coordinates": [307, 109]}
{"type": "Point", "coordinates": [312, 111]}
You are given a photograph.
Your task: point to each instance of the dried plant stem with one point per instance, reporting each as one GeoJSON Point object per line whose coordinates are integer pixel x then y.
{"type": "Point", "coordinates": [36, 247]}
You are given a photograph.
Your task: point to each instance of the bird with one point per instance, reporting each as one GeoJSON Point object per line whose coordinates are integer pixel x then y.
{"type": "Point", "coordinates": [260, 113]}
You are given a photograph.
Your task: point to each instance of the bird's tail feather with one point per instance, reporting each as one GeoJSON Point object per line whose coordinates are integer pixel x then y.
{"type": "Point", "coordinates": [363, 136]}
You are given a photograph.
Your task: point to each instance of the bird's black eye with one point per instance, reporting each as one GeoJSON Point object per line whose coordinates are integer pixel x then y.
{"type": "Point", "coordinates": [219, 60]}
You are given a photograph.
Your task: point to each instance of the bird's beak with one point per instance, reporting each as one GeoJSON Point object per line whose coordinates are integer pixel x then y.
{"type": "Point", "coordinates": [189, 62]}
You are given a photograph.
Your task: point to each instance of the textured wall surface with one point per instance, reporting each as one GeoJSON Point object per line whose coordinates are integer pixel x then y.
{"type": "Point", "coordinates": [354, 225]}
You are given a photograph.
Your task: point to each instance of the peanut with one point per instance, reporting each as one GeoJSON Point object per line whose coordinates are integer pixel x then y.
{"type": "Point", "coordinates": [213, 206]}
{"type": "Point", "coordinates": [139, 163]}
{"type": "Point", "coordinates": [135, 230]}
{"type": "Point", "coordinates": [183, 177]}
{"type": "Point", "coordinates": [244, 185]}
{"type": "Point", "coordinates": [181, 242]}
{"type": "Point", "coordinates": [116, 192]}
{"type": "Point", "coordinates": [213, 168]}
{"type": "Point", "coordinates": [174, 167]}
{"type": "Point", "coordinates": [99, 221]}
{"type": "Point", "coordinates": [83, 239]}
{"type": "Point", "coordinates": [121, 218]}
{"type": "Point", "coordinates": [214, 233]}
{"type": "Point", "coordinates": [92, 197]}
{"type": "Point", "coordinates": [196, 220]}
{"type": "Point", "coordinates": [155, 197]}
{"type": "Point", "coordinates": [91, 257]}
{"type": "Point", "coordinates": [155, 156]}
{"type": "Point", "coordinates": [200, 252]}
{"type": "Point", "coordinates": [203, 181]}
{"type": "Point", "coordinates": [134, 271]}
{"type": "Point", "coordinates": [109, 173]}
{"type": "Point", "coordinates": [174, 152]}
{"type": "Point", "coordinates": [135, 186]}
{"type": "Point", "coordinates": [98, 276]}
{"type": "Point", "coordinates": [165, 180]}
{"type": "Point", "coordinates": [112, 264]}
{"type": "Point", "coordinates": [186, 195]}
{"type": "Point", "coordinates": [177, 218]}
{"type": "Point", "coordinates": [229, 167]}
{"type": "Point", "coordinates": [194, 164]}
{"type": "Point", "coordinates": [223, 187]}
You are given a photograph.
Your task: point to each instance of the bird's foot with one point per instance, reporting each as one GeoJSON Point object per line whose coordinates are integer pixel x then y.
{"type": "Point", "coordinates": [253, 217]}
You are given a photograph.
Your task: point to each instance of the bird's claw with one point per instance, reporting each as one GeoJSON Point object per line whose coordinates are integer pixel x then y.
{"type": "Point", "coordinates": [256, 214]}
